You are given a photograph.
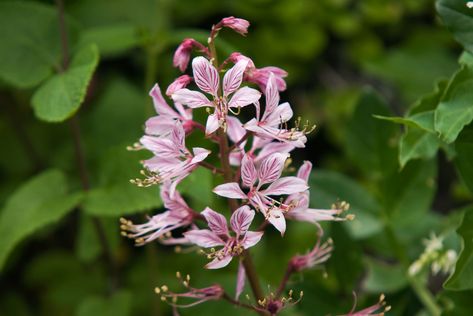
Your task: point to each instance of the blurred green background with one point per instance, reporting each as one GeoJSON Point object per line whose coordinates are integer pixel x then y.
{"type": "Point", "coordinates": [346, 59]}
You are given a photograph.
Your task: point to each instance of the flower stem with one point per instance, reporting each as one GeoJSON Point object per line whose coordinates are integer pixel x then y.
{"type": "Point", "coordinates": [284, 281]}
{"type": "Point", "coordinates": [228, 176]}
{"type": "Point", "coordinates": [421, 291]}
{"type": "Point", "coordinates": [79, 153]}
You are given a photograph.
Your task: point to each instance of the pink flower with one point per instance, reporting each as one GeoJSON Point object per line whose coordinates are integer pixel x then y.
{"type": "Point", "coordinates": [179, 83]}
{"type": "Point", "coordinates": [214, 292]}
{"type": "Point", "coordinates": [164, 122]}
{"type": "Point", "coordinates": [178, 214]}
{"type": "Point", "coordinates": [260, 76]}
{"type": "Point", "coordinates": [172, 161]}
{"type": "Point", "coordinates": [377, 309]}
{"type": "Point", "coordinates": [319, 254]}
{"type": "Point", "coordinates": [218, 235]}
{"type": "Point", "coordinates": [207, 79]}
{"type": "Point", "coordinates": [268, 172]}
{"type": "Point", "coordinates": [272, 124]}
{"type": "Point", "coordinates": [299, 203]}
{"type": "Point", "coordinates": [236, 24]}
{"type": "Point", "coordinates": [183, 53]}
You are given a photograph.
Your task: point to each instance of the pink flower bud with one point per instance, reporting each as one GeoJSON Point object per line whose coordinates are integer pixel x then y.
{"type": "Point", "coordinates": [178, 84]}
{"type": "Point", "coordinates": [183, 54]}
{"type": "Point", "coordinates": [236, 24]}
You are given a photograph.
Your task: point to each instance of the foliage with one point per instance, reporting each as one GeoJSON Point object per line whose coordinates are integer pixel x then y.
{"type": "Point", "coordinates": [383, 81]}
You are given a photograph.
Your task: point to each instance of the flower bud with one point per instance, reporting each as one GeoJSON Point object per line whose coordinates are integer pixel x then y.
{"type": "Point", "coordinates": [236, 24]}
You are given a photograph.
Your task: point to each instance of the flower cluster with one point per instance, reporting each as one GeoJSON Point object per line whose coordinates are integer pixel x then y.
{"type": "Point", "coordinates": [250, 125]}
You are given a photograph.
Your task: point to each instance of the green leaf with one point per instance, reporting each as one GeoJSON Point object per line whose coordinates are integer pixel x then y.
{"type": "Point", "coordinates": [29, 49]}
{"type": "Point", "coordinates": [464, 158]}
{"type": "Point", "coordinates": [119, 304]}
{"type": "Point", "coordinates": [409, 192]}
{"type": "Point", "coordinates": [115, 195]}
{"type": "Point", "coordinates": [416, 143]}
{"type": "Point", "coordinates": [329, 187]}
{"type": "Point", "coordinates": [41, 201]}
{"type": "Point", "coordinates": [87, 242]}
{"type": "Point", "coordinates": [419, 140]}
{"type": "Point", "coordinates": [422, 120]}
{"type": "Point", "coordinates": [111, 40]}
{"type": "Point", "coordinates": [456, 106]}
{"type": "Point", "coordinates": [459, 20]}
{"type": "Point", "coordinates": [61, 96]}
{"type": "Point", "coordinates": [383, 277]}
{"type": "Point", "coordinates": [368, 140]}
{"type": "Point", "coordinates": [462, 278]}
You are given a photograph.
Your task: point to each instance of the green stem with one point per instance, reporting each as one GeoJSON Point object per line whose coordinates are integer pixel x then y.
{"type": "Point", "coordinates": [80, 156]}
{"type": "Point", "coordinates": [419, 288]}
{"type": "Point", "coordinates": [224, 148]}
{"type": "Point", "coordinates": [425, 296]}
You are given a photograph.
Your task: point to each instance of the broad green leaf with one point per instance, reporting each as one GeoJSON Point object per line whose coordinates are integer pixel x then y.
{"type": "Point", "coordinates": [383, 277]}
{"type": "Point", "coordinates": [29, 46]}
{"type": "Point", "coordinates": [328, 187]}
{"type": "Point", "coordinates": [464, 158]}
{"type": "Point", "coordinates": [41, 201]}
{"type": "Point", "coordinates": [417, 143]}
{"type": "Point", "coordinates": [420, 139]}
{"type": "Point", "coordinates": [87, 241]}
{"type": "Point", "coordinates": [409, 192]}
{"type": "Point", "coordinates": [459, 20]}
{"type": "Point", "coordinates": [61, 96]}
{"type": "Point", "coordinates": [455, 109]}
{"type": "Point", "coordinates": [423, 120]}
{"type": "Point", "coordinates": [456, 303]}
{"type": "Point", "coordinates": [115, 195]}
{"type": "Point", "coordinates": [462, 278]}
{"type": "Point", "coordinates": [119, 304]}
{"type": "Point", "coordinates": [466, 58]}
{"type": "Point", "coordinates": [369, 140]}
{"type": "Point", "coordinates": [111, 40]}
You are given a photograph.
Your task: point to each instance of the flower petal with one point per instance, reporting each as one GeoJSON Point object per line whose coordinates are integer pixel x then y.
{"type": "Point", "coordinates": [276, 218]}
{"type": "Point", "coordinates": [251, 239]}
{"type": "Point", "coordinates": [203, 238]}
{"type": "Point", "coordinates": [212, 124]}
{"type": "Point", "coordinates": [230, 190]}
{"type": "Point", "coordinates": [286, 186]}
{"type": "Point", "coordinates": [218, 263]}
{"type": "Point", "coordinates": [233, 77]}
{"type": "Point", "coordinates": [160, 105]}
{"type": "Point", "coordinates": [280, 114]}
{"type": "Point", "coordinates": [304, 171]}
{"type": "Point", "coordinates": [244, 97]}
{"type": "Point", "coordinates": [271, 168]}
{"type": "Point", "coordinates": [192, 99]}
{"type": "Point", "coordinates": [235, 129]}
{"type": "Point", "coordinates": [199, 154]}
{"type": "Point", "coordinates": [241, 276]}
{"type": "Point", "coordinates": [273, 147]}
{"type": "Point", "coordinates": [205, 75]}
{"type": "Point", "coordinates": [217, 222]}
{"type": "Point", "coordinates": [241, 220]}
{"type": "Point", "coordinates": [248, 171]}
{"type": "Point", "coordinates": [272, 96]}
